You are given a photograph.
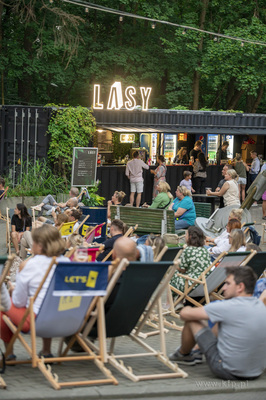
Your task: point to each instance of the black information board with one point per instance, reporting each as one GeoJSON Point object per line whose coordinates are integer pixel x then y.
{"type": "Point", "coordinates": [84, 166]}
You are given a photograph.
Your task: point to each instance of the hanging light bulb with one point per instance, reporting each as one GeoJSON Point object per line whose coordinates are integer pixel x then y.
{"type": "Point", "coordinates": [86, 10]}
{"type": "Point", "coordinates": [184, 31]}
{"type": "Point", "coordinates": [242, 44]}
{"type": "Point", "coordinates": [153, 25]}
{"type": "Point", "coordinates": [215, 39]}
{"type": "Point", "coordinates": [51, 1]}
{"type": "Point", "coordinates": [121, 18]}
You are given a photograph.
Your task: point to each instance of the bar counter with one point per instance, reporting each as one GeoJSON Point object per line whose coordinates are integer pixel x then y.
{"type": "Point", "coordinates": [113, 178]}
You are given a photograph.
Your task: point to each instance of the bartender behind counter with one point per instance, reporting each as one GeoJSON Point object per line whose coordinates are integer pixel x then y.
{"type": "Point", "coordinates": [223, 150]}
{"type": "Point", "coordinates": [196, 150]}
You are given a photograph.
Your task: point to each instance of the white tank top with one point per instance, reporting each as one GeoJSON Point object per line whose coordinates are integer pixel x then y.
{"type": "Point", "coordinates": [231, 196]}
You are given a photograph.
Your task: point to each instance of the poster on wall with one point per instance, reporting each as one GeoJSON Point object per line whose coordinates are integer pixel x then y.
{"type": "Point", "coordinates": [84, 166]}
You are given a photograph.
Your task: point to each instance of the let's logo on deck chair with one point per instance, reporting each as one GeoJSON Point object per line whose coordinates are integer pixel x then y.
{"type": "Point", "coordinates": [79, 281]}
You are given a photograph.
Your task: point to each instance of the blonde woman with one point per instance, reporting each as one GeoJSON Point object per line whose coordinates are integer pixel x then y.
{"type": "Point", "coordinates": [229, 190]}
{"type": "Point", "coordinates": [116, 200]}
{"type": "Point", "coordinates": [183, 206]}
{"type": "Point", "coordinates": [237, 240]}
{"type": "Point", "coordinates": [164, 196]}
{"type": "Point", "coordinates": [47, 243]}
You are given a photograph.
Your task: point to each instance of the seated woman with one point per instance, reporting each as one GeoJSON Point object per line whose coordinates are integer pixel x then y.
{"type": "Point", "coordinates": [194, 259]}
{"type": "Point", "coordinates": [222, 241]}
{"type": "Point", "coordinates": [116, 200]}
{"type": "Point", "coordinates": [164, 197]}
{"type": "Point", "coordinates": [237, 240]}
{"type": "Point", "coordinates": [229, 190]}
{"type": "Point", "coordinates": [20, 222]}
{"type": "Point", "coordinates": [236, 213]}
{"type": "Point", "coordinates": [47, 243]}
{"type": "Point", "coordinates": [183, 206]}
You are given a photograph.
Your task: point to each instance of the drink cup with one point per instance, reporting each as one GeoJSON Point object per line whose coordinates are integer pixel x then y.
{"type": "Point", "coordinates": [207, 188]}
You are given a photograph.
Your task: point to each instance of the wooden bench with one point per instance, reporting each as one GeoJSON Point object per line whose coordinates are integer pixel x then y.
{"type": "Point", "coordinates": [203, 209]}
{"type": "Point", "coordinates": [148, 219]}
{"type": "Point", "coordinates": [153, 219]}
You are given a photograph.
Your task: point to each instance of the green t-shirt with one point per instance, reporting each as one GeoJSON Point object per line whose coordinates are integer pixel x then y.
{"type": "Point", "coordinates": [161, 201]}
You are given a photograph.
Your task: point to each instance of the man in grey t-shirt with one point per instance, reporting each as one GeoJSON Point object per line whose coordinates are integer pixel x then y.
{"type": "Point", "coordinates": [235, 348]}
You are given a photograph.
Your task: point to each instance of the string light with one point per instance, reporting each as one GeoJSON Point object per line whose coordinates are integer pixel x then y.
{"type": "Point", "coordinates": [86, 10]}
{"type": "Point", "coordinates": [153, 25]}
{"type": "Point", "coordinates": [242, 44]}
{"type": "Point", "coordinates": [121, 18]}
{"type": "Point", "coordinates": [215, 39]}
{"type": "Point", "coordinates": [136, 16]}
{"type": "Point", "coordinates": [184, 31]}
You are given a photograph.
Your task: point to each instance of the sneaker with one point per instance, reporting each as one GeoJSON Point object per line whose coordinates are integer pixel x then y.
{"type": "Point", "coordinates": [198, 356]}
{"type": "Point", "coordinates": [186, 359]}
{"type": "Point", "coordinates": [37, 208]}
{"type": "Point", "coordinates": [49, 212]}
{"type": "Point", "coordinates": [254, 205]}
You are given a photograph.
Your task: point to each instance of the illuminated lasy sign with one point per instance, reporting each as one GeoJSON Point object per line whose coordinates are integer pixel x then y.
{"type": "Point", "coordinates": [115, 100]}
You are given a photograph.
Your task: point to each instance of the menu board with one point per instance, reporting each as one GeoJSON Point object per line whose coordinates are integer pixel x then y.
{"type": "Point", "coordinates": [84, 166]}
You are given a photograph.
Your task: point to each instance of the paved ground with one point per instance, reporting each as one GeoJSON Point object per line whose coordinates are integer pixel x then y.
{"type": "Point", "coordinates": [27, 383]}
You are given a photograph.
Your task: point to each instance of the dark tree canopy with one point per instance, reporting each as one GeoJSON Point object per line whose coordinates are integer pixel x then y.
{"type": "Point", "coordinates": [55, 52]}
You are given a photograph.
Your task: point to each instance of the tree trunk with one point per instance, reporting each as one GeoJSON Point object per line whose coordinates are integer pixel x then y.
{"type": "Point", "coordinates": [196, 78]}
{"type": "Point", "coordinates": [235, 100]}
{"type": "Point", "coordinates": [25, 84]}
{"type": "Point", "coordinates": [258, 99]}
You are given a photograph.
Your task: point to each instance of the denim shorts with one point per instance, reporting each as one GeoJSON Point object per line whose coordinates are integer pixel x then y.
{"type": "Point", "coordinates": [242, 181]}
{"type": "Point", "coordinates": [207, 342]}
{"type": "Point", "coordinates": [136, 187]}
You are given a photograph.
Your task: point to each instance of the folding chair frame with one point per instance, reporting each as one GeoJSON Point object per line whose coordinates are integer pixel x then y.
{"type": "Point", "coordinates": [40, 362]}
{"type": "Point", "coordinates": [134, 335]}
{"type": "Point", "coordinates": [202, 281]}
{"type": "Point", "coordinates": [154, 318]}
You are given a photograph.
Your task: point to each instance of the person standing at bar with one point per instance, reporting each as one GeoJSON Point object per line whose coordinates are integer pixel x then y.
{"type": "Point", "coordinates": [196, 150]}
{"type": "Point", "coordinates": [223, 151]}
{"type": "Point", "coordinates": [254, 169]}
{"type": "Point", "coordinates": [159, 174]}
{"type": "Point", "coordinates": [134, 173]}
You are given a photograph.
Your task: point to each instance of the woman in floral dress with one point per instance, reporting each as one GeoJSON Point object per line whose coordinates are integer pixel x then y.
{"type": "Point", "coordinates": [194, 259]}
{"type": "Point", "coordinates": [159, 174]}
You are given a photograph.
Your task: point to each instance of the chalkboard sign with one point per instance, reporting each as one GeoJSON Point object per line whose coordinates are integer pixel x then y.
{"type": "Point", "coordinates": [84, 166]}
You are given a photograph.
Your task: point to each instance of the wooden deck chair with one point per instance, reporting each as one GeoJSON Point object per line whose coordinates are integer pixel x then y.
{"type": "Point", "coordinates": [5, 264]}
{"type": "Point", "coordinates": [9, 214]}
{"type": "Point", "coordinates": [206, 285]}
{"type": "Point", "coordinates": [73, 289]}
{"type": "Point", "coordinates": [67, 229]}
{"type": "Point", "coordinates": [141, 287]}
{"type": "Point", "coordinates": [94, 233]}
{"type": "Point", "coordinates": [128, 233]}
{"type": "Point", "coordinates": [257, 263]}
{"type": "Point", "coordinates": [81, 224]}
{"type": "Point", "coordinates": [2, 196]}
{"type": "Point", "coordinates": [171, 254]}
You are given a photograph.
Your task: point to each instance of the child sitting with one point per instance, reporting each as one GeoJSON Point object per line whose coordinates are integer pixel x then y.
{"type": "Point", "coordinates": [187, 181]}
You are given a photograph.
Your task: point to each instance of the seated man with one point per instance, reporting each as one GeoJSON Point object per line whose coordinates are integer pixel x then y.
{"type": "Point", "coordinates": [238, 351]}
{"type": "Point", "coordinates": [116, 231]}
{"type": "Point", "coordinates": [49, 204]}
{"type": "Point", "coordinates": [125, 247]}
